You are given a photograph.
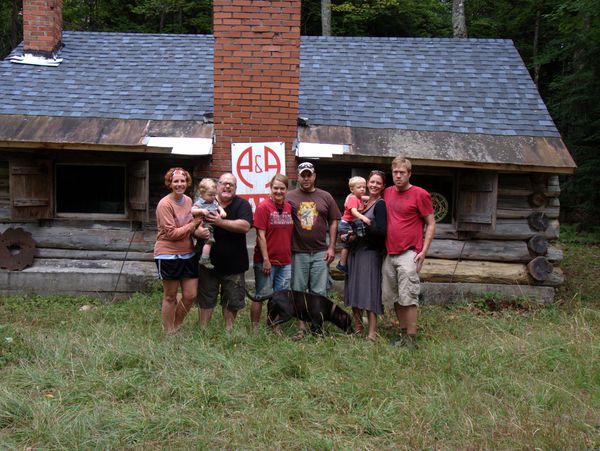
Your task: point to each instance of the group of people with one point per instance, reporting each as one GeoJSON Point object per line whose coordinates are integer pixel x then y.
{"type": "Point", "coordinates": [385, 234]}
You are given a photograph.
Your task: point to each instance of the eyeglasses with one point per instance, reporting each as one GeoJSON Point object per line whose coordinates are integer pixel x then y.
{"type": "Point", "coordinates": [232, 185]}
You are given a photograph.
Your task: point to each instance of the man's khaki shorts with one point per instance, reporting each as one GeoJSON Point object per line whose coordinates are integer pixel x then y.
{"type": "Point", "coordinates": [400, 280]}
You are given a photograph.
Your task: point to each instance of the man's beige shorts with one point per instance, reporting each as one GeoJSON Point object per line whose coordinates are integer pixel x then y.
{"type": "Point", "coordinates": [400, 281]}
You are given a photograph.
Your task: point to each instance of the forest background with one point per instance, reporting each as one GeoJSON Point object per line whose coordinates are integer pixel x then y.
{"type": "Point", "coordinates": [559, 41]}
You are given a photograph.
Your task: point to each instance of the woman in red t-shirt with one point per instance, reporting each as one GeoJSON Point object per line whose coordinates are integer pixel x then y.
{"type": "Point", "coordinates": [273, 252]}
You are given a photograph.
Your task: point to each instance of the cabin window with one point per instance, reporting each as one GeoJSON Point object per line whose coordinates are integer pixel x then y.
{"type": "Point", "coordinates": [90, 189]}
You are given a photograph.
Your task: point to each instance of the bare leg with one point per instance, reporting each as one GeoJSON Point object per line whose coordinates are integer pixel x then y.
{"type": "Point", "coordinates": [357, 317]}
{"type": "Point", "coordinates": [302, 326]}
{"type": "Point", "coordinates": [407, 318]}
{"type": "Point", "coordinates": [189, 289]}
{"type": "Point", "coordinates": [229, 316]}
{"type": "Point", "coordinates": [372, 326]}
{"type": "Point", "coordinates": [169, 304]}
{"type": "Point", "coordinates": [255, 311]}
{"type": "Point", "coordinates": [204, 316]}
{"type": "Point", "coordinates": [344, 256]}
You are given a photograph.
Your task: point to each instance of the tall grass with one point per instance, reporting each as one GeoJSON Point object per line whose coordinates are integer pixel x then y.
{"type": "Point", "coordinates": [522, 377]}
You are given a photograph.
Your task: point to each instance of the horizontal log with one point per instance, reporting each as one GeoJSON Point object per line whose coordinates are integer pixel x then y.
{"type": "Point", "coordinates": [487, 250]}
{"type": "Point", "coordinates": [517, 213]}
{"type": "Point", "coordinates": [94, 255]}
{"type": "Point", "coordinates": [553, 187]}
{"type": "Point", "coordinates": [537, 200]}
{"type": "Point", "coordinates": [538, 220]}
{"type": "Point", "coordinates": [443, 293]}
{"type": "Point", "coordinates": [54, 276]}
{"type": "Point", "coordinates": [537, 245]}
{"type": "Point", "coordinates": [517, 229]}
{"type": "Point", "coordinates": [555, 279]}
{"type": "Point", "coordinates": [445, 232]}
{"type": "Point", "coordinates": [516, 182]}
{"type": "Point", "coordinates": [554, 255]}
{"type": "Point", "coordinates": [441, 270]}
{"type": "Point", "coordinates": [514, 191]}
{"type": "Point", "coordinates": [539, 268]}
{"type": "Point", "coordinates": [88, 239]}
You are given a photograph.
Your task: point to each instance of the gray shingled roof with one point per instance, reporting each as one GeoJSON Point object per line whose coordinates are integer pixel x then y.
{"type": "Point", "coordinates": [464, 86]}
{"type": "Point", "coordinates": [116, 75]}
{"type": "Point", "coordinates": [454, 85]}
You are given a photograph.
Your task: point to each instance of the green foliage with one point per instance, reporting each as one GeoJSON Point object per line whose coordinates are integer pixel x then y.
{"type": "Point", "coordinates": [10, 26]}
{"type": "Point", "coordinates": [147, 16]}
{"type": "Point", "coordinates": [495, 302]}
{"type": "Point", "coordinates": [391, 18]}
{"type": "Point", "coordinates": [581, 264]}
{"type": "Point", "coordinates": [574, 102]}
{"type": "Point", "coordinates": [176, 16]}
{"type": "Point", "coordinates": [576, 234]}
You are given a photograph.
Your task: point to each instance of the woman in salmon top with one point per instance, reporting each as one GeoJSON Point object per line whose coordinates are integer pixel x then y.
{"type": "Point", "coordinates": [174, 254]}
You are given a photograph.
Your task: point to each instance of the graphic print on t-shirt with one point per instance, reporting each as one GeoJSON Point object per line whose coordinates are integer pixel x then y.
{"type": "Point", "coordinates": [307, 213]}
{"type": "Point", "coordinates": [280, 219]}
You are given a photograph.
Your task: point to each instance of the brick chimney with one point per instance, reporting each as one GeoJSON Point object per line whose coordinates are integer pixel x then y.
{"type": "Point", "coordinates": [42, 26]}
{"type": "Point", "coordinates": [256, 75]}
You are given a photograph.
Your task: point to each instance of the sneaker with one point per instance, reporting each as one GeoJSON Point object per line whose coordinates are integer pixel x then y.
{"type": "Point", "coordinates": [205, 261]}
{"type": "Point", "coordinates": [406, 341]}
{"type": "Point", "coordinates": [342, 268]}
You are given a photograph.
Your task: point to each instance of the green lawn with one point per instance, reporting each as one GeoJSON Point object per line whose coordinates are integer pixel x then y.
{"type": "Point", "coordinates": [521, 377]}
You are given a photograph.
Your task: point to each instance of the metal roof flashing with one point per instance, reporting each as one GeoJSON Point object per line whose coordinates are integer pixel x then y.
{"type": "Point", "coordinates": [35, 60]}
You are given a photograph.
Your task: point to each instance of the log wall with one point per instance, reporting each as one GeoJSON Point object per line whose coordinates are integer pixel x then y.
{"type": "Point", "coordinates": [108, 257]}
{"type": "Point", "coordinates": [519, 252]}
{"type": "Point", "coordinates": [108, 261]}
{"type": "Point", "coordinates": [4, 194]}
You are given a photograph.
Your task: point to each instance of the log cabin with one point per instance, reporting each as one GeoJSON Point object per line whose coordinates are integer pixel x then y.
{"type": "Point", "coordinates": [89, 123]}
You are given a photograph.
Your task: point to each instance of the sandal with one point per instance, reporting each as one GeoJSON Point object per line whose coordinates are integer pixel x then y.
{"type": "Point", "coordinates": [359, 330]}
{"type": "Point", "coordinates": [299, 335]}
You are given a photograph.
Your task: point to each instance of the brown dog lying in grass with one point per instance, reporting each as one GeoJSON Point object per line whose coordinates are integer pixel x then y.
{"type": "Point", "coordinates": [313, 308]}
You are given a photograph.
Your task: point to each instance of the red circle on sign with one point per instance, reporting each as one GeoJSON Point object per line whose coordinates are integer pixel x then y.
{"type": "Point", "coordinates": [251, 164]}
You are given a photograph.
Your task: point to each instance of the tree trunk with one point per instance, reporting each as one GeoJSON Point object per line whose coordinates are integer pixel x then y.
{"type": "Point", "coordinates": [14, 25]}
{"type": "Point", "coordinates": [536, 34]}
{"type": "Point", "coordinates": [326, 17]}
{"type": "Point", "coordinates": [459, 24]}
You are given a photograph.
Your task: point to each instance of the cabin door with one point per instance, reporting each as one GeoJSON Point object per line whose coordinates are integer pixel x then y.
{"type": "Point", "coordinates": [30, 189]}
{"type": "Point", "coordinates": [138, 190]}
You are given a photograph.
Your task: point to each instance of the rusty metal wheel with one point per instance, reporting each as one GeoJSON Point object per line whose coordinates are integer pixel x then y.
{"type": "Point", "coordinates": [17, 249]}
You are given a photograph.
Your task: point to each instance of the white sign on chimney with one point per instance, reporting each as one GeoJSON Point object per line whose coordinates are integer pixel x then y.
{"type": "Point", "coordinates": [254, 165]}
